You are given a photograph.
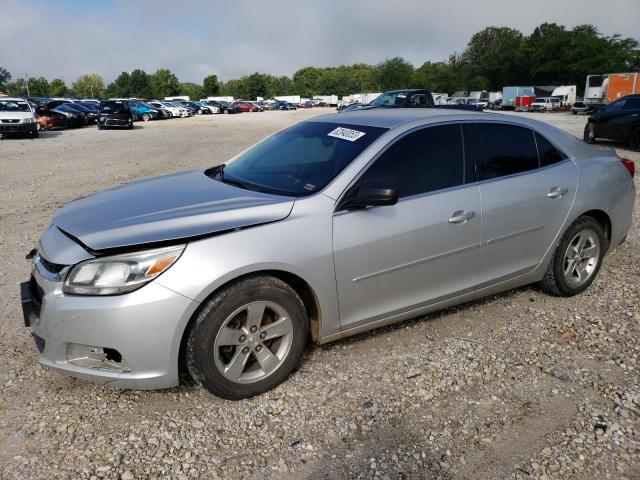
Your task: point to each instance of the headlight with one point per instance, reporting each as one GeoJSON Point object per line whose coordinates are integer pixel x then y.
{"type": "Point", "coordinates": [28, 120]}
{"type": "Point", "coordinates": [118, 274]}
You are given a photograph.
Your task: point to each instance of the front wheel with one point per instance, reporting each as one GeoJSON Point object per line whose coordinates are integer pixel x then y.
{"type": "Point", "coordinates": [247, 338]}
{"type": "Point", "coordinates": [590, 133]}
{"type": "Point", "coordinates": [146, 117]}
{"type": "Point", "coordinates": [577, 258]}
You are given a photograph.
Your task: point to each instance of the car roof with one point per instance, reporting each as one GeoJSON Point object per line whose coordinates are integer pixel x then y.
{"type": "Point", "coordinates": [393, 117]}
{"type": "Point", "coordinates": [13, 99]}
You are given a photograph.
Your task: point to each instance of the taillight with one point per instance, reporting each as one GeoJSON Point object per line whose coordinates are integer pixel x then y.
{"type": "Point", "coordinates": [629, 165]}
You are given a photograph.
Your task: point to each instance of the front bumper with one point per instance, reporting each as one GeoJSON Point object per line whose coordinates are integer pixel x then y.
{"type": "Point", "coordinates": [18, 127]}
{"type": "Point", "coordinates": [143, 328]}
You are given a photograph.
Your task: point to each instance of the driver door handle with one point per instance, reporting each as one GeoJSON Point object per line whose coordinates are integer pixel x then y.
{"type": "Point", "coordinates": [557, 192]}
{"type": "Point", "coordinates": [461, 216]}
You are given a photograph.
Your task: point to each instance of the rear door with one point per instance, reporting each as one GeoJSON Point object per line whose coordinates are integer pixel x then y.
{"type": "Point", "coordinates": [393, 259]}
{"type": "Point", "coordinates": [526, 196]}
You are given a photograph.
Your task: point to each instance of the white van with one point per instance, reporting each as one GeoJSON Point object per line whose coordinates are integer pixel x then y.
{"type": "Point", "coordinates": [543, 104]}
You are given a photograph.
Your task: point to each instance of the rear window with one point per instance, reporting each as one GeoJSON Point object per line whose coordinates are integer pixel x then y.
{"type": "Point", "coordinates": [547, 152]}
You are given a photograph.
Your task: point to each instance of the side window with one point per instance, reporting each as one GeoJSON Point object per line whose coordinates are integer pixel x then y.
{"type": "Point", "coordinates": [632, 104]}
{"type": "Point", "coordinates": [423, 161]}
{"type": "Point", "coordinates": [548, 153]}
{"type": "Point", "coordinates": [500, 150]}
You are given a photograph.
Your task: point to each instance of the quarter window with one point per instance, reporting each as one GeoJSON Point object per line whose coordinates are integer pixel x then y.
{"type": "Point", "coordinates": [500, 150]}
{"type": "Point", "coordinates": [547, 152]}
{"type": "Point", "coordinates": [423, 161]}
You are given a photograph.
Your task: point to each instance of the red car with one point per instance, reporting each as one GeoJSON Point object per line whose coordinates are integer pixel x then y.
{"type": "Point", "coordinates": [305, 105]}
{"type": "Point", "coordinates": [246, 106]}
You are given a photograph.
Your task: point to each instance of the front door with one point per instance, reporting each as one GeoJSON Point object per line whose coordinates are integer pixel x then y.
{"type": "Point", "coordinates": [392, 259]}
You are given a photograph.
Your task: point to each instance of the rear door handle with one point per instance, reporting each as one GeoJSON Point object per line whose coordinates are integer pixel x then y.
{"type": "Point", "coordinates": [557, 192]}
{"type": "Point", "coordinates": [461, 216]}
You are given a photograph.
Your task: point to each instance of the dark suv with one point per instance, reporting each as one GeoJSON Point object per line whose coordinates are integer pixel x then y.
{"type": "Point", "coordinates": [115, 113]}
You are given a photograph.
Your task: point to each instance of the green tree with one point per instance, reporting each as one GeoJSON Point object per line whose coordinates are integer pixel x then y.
{"type": "Point", "coordinates": [193, 90]}
{"type": "Point", "coordinates": [139, 85]}
{"type": "Point", "coordinates": [5, 78]}
{"type": "Point", "coordinates": [120, 87]}
{"type": "Point", "coordinates": [17, 88]}
{"type": "Point", "coordinates": [305, 81]}
{"type": "Point", "coordinates": [282, 85]}
{"type": "Point", "coordinates": [38, 87]}
{"type": "Point", "coordinates": [164, 83]}
{"type": "Point", "coordinates": [493, 53]}
{"type": "Point", "coordinates": [89, 86]}
{"type": "Point", "coordinates": [393, 73]}
{"type": "Point", "coordinates": [57, 88]}
{"type": "Point", "coordinates": [210, 85]}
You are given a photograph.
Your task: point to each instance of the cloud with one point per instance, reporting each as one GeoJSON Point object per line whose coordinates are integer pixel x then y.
{"type": "Point", "coordinates": [195, 38]}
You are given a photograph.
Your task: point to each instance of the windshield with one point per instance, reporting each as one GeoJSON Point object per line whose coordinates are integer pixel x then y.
{"type": "Point", "coordinates": [113, 107]}
{"type": "Point", "coordinates": [300, 160]}
{"type": "Point", "coordinates": [390, 99]}
{"type": "Point", "coordinates": [14, 106]}
{"type": "Point", "coordinates": [541, 99]}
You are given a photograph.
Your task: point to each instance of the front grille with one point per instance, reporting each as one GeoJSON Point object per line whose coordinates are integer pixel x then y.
{"type": "Point", "coordinates": [36, 294]}
{"type": "Point", "coordinates": [40, 342]}
{"type": "Point", "coordinates": [16, 127]}
{"type": "Point", "coordinates": [11, 120]}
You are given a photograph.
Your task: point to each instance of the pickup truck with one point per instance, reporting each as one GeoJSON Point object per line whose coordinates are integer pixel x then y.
{"type": "Point", "coordinates": [409, 98]}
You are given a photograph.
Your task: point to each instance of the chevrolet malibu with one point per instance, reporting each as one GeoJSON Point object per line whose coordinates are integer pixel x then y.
{"type": "Point", "coordinates": [331, 227]}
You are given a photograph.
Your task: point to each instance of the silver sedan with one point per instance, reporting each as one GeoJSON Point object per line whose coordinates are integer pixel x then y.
{"type": "Point", "coordinates": [331, 227]}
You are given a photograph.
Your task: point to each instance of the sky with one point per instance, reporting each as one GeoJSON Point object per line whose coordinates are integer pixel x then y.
{"type": "Point", "coordinates": [195, 38]}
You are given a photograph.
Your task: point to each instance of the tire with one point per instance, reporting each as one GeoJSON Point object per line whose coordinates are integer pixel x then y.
{"type": "Point", "coordinates": [589, 133]}
{"type": "Point", "coordinates": [146, 117]}
{"type": "Point", "coordinates": [100, 127]}
{"type": "Point", "coordinates": [556, 281]}
{"type": "Point", "coordinates": [225, 111]}
{"type": "Point", "coordinates": [210, 359]}
{"type": "Point", "coordinates": [634, 139]}
{"type": "Point", "coordinates": [130, 126]}
{"type": "Point", "coordinates": [34, 134]}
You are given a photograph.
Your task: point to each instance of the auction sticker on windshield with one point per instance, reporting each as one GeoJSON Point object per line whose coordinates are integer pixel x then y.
{"type": "Point", "coordinates": [346, 134]}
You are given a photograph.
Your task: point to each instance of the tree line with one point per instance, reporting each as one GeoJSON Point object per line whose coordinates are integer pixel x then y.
{"type": "Point", "coordinates": [494, 57]}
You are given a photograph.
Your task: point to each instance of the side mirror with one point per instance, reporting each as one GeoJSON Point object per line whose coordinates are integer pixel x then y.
{"type": "Point", "coordinates": [370, 196]}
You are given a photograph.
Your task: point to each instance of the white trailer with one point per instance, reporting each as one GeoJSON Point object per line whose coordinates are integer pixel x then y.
{"type": "Point", "coordinates": [331, 100]}
{"type": "Point", "coordinates": [368, 97]}
{"type": "Point", "coordinates": [495, 96]}
{"type": "Point", "coordinates": [295, 99]}
{"type": "Point", "coordinates": [221, 99]}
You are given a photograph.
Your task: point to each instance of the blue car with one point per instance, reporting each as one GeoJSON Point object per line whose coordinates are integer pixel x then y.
{"type": "Point", "coordinates": [141, 111]}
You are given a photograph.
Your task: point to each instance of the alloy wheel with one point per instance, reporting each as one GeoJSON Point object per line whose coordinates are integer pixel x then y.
{"type": "Point", "coordinates": [253, 342]}
{"type": "Point", "coordinates": [581, 257]}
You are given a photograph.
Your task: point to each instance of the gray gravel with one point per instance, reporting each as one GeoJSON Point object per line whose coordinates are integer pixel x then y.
{"type": "Point", "coordinates": [519, 385]}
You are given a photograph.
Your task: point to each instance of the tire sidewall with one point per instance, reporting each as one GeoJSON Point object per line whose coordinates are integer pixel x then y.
{"type": "Point", "coordinates": [589, 133]}
{"type": "Point", "coordinates": [200, 344]}
{"type": "Point", "coordinates": [579, 225]}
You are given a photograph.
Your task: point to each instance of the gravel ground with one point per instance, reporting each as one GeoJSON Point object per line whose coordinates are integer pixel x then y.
{"type": "Point", "coordinates": [519, 385]}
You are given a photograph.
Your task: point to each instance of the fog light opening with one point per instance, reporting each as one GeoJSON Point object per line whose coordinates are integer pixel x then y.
{"type": "Point", "coordinates": [113, 355]}
{"type": "Point", "coordinates": [99, 358]}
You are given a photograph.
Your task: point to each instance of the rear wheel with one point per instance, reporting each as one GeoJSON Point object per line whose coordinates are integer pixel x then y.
{"type": "Point", "coordinates": [247, 338]}
{"type": "Point", "coordinates": [577, 259]}
{"type": "Point", "coordinates": [590, 133]}
{"type": "Point", "coordinates": [634, 139]}
{"type": "Point", "coordinates": [146, 117]}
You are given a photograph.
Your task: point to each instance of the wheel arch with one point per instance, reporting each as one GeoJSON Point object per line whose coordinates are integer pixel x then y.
{"type": "Point", "coordinates": [301, 287]}
{"type": "Point", "coordinates": [603, 219]}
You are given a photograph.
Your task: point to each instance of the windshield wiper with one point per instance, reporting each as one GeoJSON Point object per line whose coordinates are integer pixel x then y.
{"type": "Point", "coordinates": [219, 171]}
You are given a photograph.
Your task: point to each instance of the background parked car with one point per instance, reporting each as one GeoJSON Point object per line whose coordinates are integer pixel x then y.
{"type": "Point", "coordinates": [544, 104]}
{"type": "Point", "coordinates": [579, 107]}
{"type": "Point", "coordinates": [619, 121]}
{"type": "Point", "coordinates": [115, 113]}
{"type": "Point", "coordinates": [17, 117]}
{"type": "Point", "coordinates": [140, 111]}
{"type": "Point", "coordinates": [51, 120]}
{"type": "Point", "coordinates": [245, 106]}
{"type": "Point", "coordinates": [75, 117]}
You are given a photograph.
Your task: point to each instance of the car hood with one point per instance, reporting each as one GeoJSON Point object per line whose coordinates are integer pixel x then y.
{"type": "Point", "coordinates": [171, 207]}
